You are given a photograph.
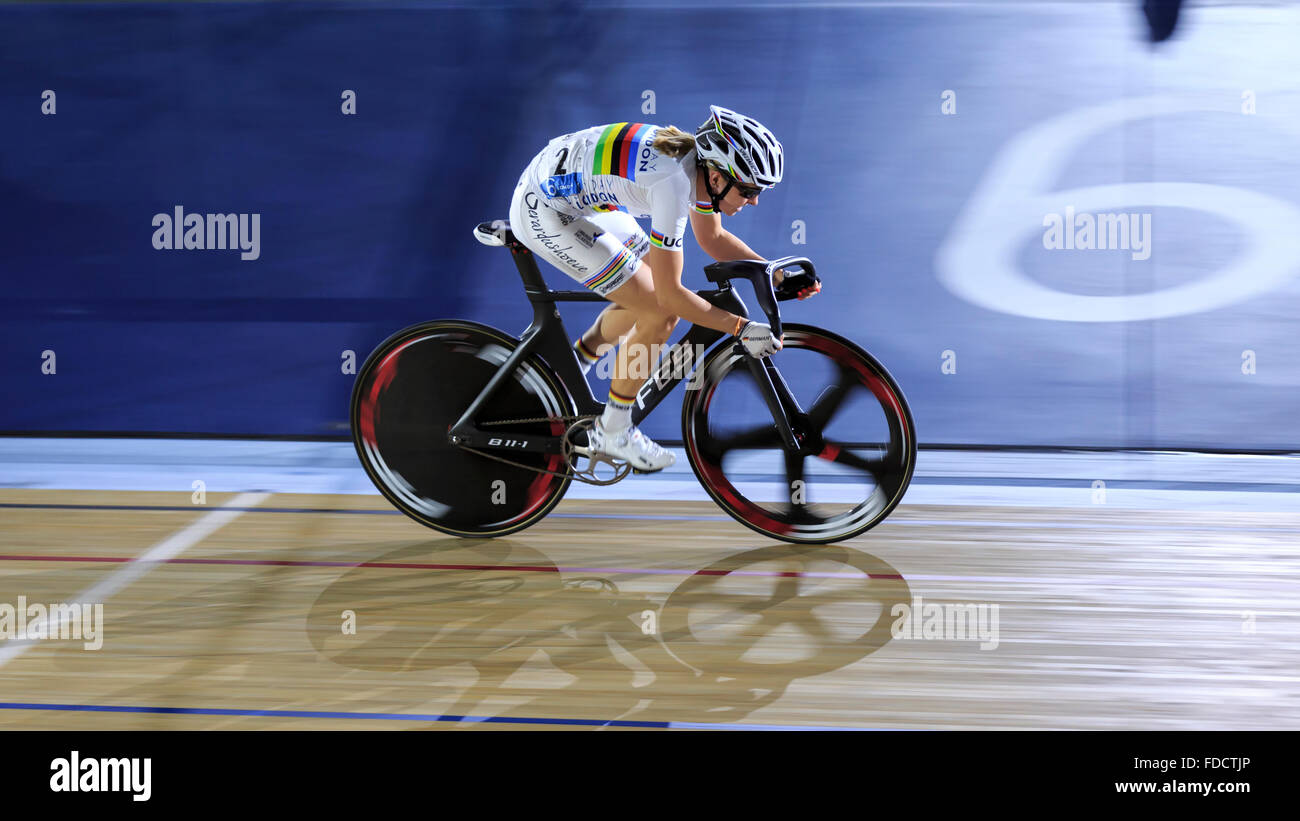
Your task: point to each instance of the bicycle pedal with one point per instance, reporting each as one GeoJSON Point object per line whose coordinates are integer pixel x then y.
{"type": "Point", "coordinates": [640, 472]}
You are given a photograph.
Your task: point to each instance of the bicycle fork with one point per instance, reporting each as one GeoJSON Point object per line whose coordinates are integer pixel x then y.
{"type": "Point", "coordinates": [776, 394]}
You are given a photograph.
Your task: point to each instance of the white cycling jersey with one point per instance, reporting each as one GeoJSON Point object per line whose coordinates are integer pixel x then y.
{"type": "Point", "coordinates": [577, 202]}
{"type": "Point", "coordinates": [616, 168]}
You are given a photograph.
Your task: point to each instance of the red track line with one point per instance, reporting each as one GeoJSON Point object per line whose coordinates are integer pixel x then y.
{"type": "Point", "coordinates": [501, 567]}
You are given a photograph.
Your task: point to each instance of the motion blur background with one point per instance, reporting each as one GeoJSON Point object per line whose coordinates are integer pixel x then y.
{"type": "Point", "coordinates": [926, 143]}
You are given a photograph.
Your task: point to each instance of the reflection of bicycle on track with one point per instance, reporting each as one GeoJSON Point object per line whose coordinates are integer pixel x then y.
{"type": "Point", "coordinates": [474, 432]}
{"type": "Point", "coordinates": [727, 640]}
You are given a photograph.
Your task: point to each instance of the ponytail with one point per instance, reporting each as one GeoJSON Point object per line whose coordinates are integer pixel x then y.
{"type": "Point", "coordinates": [673, 142]}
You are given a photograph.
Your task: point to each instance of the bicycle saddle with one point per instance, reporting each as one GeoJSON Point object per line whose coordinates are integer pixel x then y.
{"type": "Point", "coordinates": [496, 232]}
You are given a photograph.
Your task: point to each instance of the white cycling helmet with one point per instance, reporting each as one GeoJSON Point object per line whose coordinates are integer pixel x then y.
{"type": "Point", "coordinates": [741, 147]}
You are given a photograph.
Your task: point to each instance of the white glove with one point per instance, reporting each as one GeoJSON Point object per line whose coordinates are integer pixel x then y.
{"type": "Point", "coordinates": [758, 340]}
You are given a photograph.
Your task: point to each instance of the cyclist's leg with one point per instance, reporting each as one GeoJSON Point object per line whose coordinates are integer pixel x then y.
{"type": "Point", "coordinates": [615, 323]}
{"type": "Point", "coordinates": [601, 251]}
{"type": "Point", "coordinates": [610, 329]}
{"type": "Point", "coordinates": [635, 322]}
{"type": "Point", "coordinates": [636, 356]}
{"type": "Point", "coordinates": [604, 252]}
{"type": "Point", "coordinates": [614, 432]}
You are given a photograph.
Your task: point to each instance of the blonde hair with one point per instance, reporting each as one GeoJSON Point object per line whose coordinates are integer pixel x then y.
{"type": "Point", "coordinates": [674, 142]}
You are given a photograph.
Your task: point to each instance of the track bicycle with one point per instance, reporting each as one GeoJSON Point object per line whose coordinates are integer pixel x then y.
{"type": "Point", "coordinates": [477, 433]}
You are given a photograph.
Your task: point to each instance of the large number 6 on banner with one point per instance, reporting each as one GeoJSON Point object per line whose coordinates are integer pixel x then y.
{"type": "Point", "coordinates": [977, 261]}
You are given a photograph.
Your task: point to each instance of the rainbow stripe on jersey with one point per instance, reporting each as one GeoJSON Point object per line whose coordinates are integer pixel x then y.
{"type": "Point", "coordinates": [618, 148]}
{"type": "Point", "coordinates": [611, 269]}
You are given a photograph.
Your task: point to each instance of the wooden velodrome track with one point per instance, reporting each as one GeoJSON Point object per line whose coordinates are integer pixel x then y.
{"type": "Point", "coordinates": [1107, 618]}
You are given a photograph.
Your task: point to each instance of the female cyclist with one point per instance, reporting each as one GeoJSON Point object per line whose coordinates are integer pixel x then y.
{"type": "Point", "coordinates": [576, 206]}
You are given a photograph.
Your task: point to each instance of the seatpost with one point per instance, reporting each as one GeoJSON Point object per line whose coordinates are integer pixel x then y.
{"type": "Point", "coordinates": [527, 265]}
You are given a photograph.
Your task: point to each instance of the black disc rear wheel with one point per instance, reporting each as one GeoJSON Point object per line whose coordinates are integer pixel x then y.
{"type": "Point", "coordinates": [410, 392]}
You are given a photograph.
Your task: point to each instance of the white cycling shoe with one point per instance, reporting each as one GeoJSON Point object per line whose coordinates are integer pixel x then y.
{"type": "Point", "coordinates": [632, 445]}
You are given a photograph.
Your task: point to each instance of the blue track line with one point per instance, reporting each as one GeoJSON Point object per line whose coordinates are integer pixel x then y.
{"type": "Point", "coordinates": [692, 518]}
{"type": "Point", "coordinates": [575, 722]}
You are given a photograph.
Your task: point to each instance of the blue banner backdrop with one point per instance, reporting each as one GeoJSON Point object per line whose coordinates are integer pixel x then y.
{"type": "Point", "coordinates": [915, 137]}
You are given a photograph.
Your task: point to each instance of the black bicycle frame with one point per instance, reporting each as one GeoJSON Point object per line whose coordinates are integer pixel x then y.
{"type": "Point", "coordinates": [547, 338]}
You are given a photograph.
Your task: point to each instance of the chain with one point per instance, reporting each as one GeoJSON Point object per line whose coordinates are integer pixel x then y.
{"type": "Point", "coordinates": [569, 419]}
{"type": "Point", "coordinates": [511, 462]}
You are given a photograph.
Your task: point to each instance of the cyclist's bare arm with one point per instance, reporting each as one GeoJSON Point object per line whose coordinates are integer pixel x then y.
{"type": "Point", "coordinates": [677, 299]}
{"type": "Point", "coordinates": [717, 241]}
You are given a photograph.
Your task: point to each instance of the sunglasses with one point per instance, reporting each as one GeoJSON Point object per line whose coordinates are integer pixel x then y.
{"type": "Point", "coordinates": [746, 191]}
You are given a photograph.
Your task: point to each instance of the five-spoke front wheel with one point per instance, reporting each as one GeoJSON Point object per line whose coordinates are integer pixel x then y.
{"type": "Point", "coordinates": [855, 436]}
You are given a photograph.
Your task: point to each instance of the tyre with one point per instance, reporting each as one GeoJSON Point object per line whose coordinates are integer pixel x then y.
{"type": "Point", "coordinates": [410, 392]}
{"type": "Point", "coordinates": [856, 434]}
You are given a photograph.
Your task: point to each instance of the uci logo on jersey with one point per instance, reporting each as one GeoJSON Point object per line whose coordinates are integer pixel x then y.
{"type": "Point", "coordinates": [672, 242]}
{"type": "Point", "coordinates": [562, 185]}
